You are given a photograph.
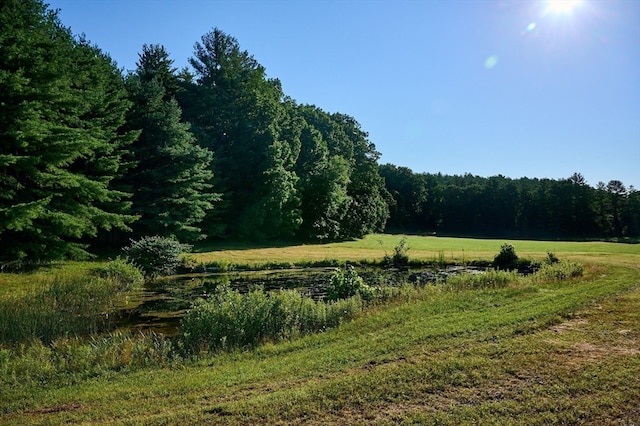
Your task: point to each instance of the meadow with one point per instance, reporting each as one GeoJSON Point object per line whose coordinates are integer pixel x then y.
{"type": "Point", "coordinates": [524, 351]}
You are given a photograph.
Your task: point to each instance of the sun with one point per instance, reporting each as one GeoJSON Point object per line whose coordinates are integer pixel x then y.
{"type": "Point", "coordinates": [562, 6]}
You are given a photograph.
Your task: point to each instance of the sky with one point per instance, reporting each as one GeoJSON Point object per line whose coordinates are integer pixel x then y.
{"type": "Point", "coordinates": [526, 88]}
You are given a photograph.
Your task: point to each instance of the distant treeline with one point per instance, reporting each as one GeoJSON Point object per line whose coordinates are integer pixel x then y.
{"type": "Point", "coordinates": [502, 207]}
{"type": "Point", "coordinates": [91, 155]}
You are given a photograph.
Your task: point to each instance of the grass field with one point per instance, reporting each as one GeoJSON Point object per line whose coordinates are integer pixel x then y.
{"type": "Point", "coordinates": [565, 352]}
{"type": "Point", "coordinates": [375, 247]}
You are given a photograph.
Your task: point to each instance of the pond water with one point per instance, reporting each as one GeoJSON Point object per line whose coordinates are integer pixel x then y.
{"type": "Point", "coordinates": [160, 305]}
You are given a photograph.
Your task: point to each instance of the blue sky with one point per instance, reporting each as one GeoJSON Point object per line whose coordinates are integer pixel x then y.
{"type": "Point", "coordinates": [453, 86]}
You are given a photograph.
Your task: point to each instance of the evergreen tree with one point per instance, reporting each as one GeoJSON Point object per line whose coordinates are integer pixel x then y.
{"type": "Point", "coordinates": [238, 114]}
{"type": "Point", "coordinates": [171, 182]}
{"type": "Point", "coordinates": [63, 105]}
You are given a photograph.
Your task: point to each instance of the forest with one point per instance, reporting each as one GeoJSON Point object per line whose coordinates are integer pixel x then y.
{"type": "Point", "coordinates": [92, 156]}
{"type": "Point", "coordinates": [502, 207]}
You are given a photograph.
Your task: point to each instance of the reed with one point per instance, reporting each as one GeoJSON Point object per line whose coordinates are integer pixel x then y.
{"type": "Point", "coordinates": [61, 306]}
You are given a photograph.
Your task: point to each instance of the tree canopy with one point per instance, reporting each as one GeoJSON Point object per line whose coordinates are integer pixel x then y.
{"type": "Point", "coordinates": [218, 150]}
{"type": "Point", "coordinates": [61, 124]}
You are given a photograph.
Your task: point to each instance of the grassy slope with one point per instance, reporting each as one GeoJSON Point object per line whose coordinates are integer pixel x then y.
{"type": "Point", "coordinates": [565, 352]}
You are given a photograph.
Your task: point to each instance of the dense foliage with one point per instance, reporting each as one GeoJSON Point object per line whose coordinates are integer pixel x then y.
{"type": "Point", "coordinates": [91, 156]}
{"type": "Point", "coordinates": [63, 106]}
{"type": "Point", "coordinates": [171, 180]}
{"type": "Point", "coordinates": [502, 207]}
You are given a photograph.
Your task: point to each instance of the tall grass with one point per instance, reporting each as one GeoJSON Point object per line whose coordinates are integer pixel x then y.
{"type": "Point", "coordinates": [82, 358]}
{"type": "Point", "coordinates": [231, 320]}
{"type": "Point", "coordinates": [558, 271]}
{"type": "Point", "coordinates": [59, 306]}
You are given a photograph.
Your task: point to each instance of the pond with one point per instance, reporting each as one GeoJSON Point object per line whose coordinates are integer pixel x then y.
{"type": "Point", "coordinates": [160, 305]}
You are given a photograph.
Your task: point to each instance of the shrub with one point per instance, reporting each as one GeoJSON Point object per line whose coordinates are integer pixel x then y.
{"type": "Point", "coordinates": [348, 283]}
{"type": "Point", "coordinates": [558, 271]}
{"type": "Point", "coordinates": [551, 259]}
{"type": "Point", "coordinates": [230, 320]}
{"type": "Point", "coordinates": [124, 274]}
{"type": "Point", "coordinates": [156, 255]}
{"type": "Point", "coordinates": [507, 258]}
{"type": "Point", "coordinates": [400, 254]}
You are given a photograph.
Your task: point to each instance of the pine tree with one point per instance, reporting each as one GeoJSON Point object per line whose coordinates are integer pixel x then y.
{"type": "Point", "coordinates": [239, 115]}
{"type": "Point", "coordinates": [171, 182]}
{"type": "Point", "coordinates": [63, 105]}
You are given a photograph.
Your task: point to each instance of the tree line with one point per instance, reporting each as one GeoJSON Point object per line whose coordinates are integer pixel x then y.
{"type": "Point", "coordinates": [517, 208]}
{"type": "Point", "coordinates": [92, 155]}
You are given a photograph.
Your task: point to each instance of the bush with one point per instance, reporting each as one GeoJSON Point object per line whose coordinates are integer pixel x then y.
{"type": "Point", "coordinates": [345, 284]}
{"type": "Point", "coordinates": [507, 258]}
{"type": "Point", "coordinates": [558, 271]}
{"type": "Point", "coordinates": [124, 274]}
{"type": "Point", "coordinates": [156, 256]}
{"type": "Point", "coordinates": [400, 254]}
{"type": "Point", "coordinates": [551, 259]}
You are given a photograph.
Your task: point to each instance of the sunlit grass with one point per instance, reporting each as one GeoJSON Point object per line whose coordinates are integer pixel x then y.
{"type": "Point", "coordinates": [514, 351]}
{"type": "Point", "coordinates": [373, 248]}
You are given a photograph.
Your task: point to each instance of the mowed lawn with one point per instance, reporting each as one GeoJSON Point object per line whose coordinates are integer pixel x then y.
{"type": "Point", "coordinates": [566, 352]}
{"type": "Point", "coordinates": [376, 246]}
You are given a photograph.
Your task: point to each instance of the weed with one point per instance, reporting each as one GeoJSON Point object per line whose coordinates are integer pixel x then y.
{"type": "Point", "coordinates": [64, 306]}
{"type": "Point", "coordinates": [487, 279]}
{"type": "Point", "coordinates": [557, 271]}
{"type": "Point", "coordinates": [230, 320]}
{"type": "Point", "coordinates": [347, 283]}
{"type": "Point", "coordinates": [81, 358]}
{"type": "Point", "coordinates": [400, 257]}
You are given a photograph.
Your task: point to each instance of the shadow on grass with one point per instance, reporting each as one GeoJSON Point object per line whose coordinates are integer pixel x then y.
{"type": "Point", "coordinates": [213, 246]}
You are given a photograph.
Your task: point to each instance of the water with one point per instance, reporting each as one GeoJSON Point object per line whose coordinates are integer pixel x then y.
{"type": "Point", "coordinates": [160, 305]}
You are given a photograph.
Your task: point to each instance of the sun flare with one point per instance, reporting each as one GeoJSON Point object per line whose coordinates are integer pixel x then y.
{"type": "Point", "coordinates": [562, 6]}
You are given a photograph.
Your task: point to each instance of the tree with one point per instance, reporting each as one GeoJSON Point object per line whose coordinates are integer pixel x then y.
{"type": "Point", "coordinates": [409, 192]}
{"type": "Point", "coordinates": [368, 206]}
{"type": "Point", "coordinates": [617, 197]}
{"type": "Point", "coordinates": [323, 187]}
{"type": "Point", "coordinates": [171, 182]}
{"type": "Point", "coordinates": [63, 107]}
{"type": "Point", "coordinates": [239, 115]}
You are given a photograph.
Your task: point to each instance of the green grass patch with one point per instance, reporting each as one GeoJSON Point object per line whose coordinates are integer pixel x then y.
{"type": "Point", "coordinates": [436, 250]}
{"type": "Point", "coordinates": [509, 354]}
{"type": "Point", "coordinates": [557, 347]}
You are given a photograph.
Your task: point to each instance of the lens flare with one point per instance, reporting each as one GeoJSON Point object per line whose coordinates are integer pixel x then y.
{"type": "Point", "coordinates": [562, 6]}
{"type": "Point", "coordinates": [491, 62]}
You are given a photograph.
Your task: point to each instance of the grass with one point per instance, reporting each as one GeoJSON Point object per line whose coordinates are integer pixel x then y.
{"type": "Point", "coordinates": [373, 248]}
{"type": "Point", "coordinates": [539, 352]}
